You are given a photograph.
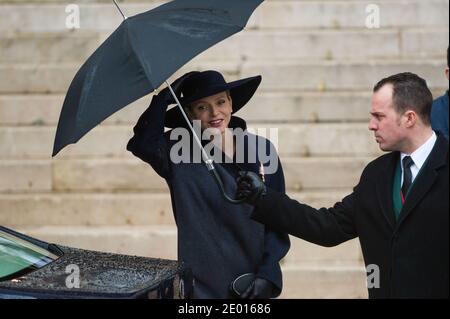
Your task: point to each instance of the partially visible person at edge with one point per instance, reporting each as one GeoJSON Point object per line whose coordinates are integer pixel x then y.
{"type": "Point", "coordinates": [217, 239]}
{"type": "Point", "coordinates": [439, 111]}
{"type": "Point", "coordinates": [400, 207]}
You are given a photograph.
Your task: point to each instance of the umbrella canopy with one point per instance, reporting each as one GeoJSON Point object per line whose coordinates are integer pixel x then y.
{"type": "Point", "coordinates": [143, 52]}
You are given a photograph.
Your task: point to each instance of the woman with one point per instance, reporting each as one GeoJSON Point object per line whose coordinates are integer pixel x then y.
{"type": "Point", "coordinates": [216, 239]}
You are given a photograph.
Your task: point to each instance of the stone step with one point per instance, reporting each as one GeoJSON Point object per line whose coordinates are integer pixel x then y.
{"type": "Point", "coordinates": [347, 282]}
{"type": "Point", "coordinates": [114, 175]}
{"type": "Point", "coordinates": [285, 75]}
{"type": "Point", "coordinates": [113, 209]}
{"type": "Point", "coordinates": [66, 47]}
{"type": "Point", "coordinates": [37, 47]}
{"type": "Point", "coordinates": [85, 209]}
{"type": "Point", "coordinates": [322, 139]}
{"type": "Point", "coordinates": [351, 14]}
{"type": "Point", "coordinates": [271, 14]}
{"type": "Point", "coordinates": [335, 173]}
{"type": "Point", "coordinates": [298, 75]}
{"type": "Point", "coordinates": [25, 176]}
{"type": "Point", "coordinates": [52, 17]}
{"type": "Point", "coordinates": [421, 43]}
{"type": "Point", "coordinates": [265, 107]}
{"type": "Point", "coordinates": [332, 44]}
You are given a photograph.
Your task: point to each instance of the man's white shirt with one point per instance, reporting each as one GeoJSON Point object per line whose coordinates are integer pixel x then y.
{"type": "Point", "coordinates": [419, 156]}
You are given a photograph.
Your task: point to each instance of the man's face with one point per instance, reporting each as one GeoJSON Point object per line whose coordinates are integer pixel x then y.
{"type": "Point", "coordinates": [213, 111]}
{"type": "Point", "coordinates": [385, 122]}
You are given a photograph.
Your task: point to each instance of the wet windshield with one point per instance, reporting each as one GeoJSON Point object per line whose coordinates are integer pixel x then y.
{"type": "Point", "coordinates": [18, 256]}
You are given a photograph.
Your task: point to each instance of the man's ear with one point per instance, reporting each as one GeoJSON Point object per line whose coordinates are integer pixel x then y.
{"type": "Point", "coordinates": [411, 118]}
{"type": "Point", "coordinates": [446, 72]}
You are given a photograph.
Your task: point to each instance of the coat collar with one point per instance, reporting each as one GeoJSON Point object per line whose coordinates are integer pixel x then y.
{"type": "Point", "coordinates": [437, 159]}
{"type": "Point", "coordinates": [423, 183]}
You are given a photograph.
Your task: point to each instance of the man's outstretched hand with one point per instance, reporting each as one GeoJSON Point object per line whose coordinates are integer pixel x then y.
{"type": "Point", "coordinates": [250, 187]}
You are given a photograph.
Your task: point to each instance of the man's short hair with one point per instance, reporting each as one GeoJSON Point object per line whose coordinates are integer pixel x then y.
{"type": "Point", "coordinates": [410, 92]}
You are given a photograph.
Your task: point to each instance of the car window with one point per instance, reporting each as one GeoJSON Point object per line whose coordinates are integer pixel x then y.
{"type": "Point", "coordinates": [18, 256]}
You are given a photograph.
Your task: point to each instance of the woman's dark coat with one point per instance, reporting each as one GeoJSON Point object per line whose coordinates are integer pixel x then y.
{"type": "Point", "coordinates": [217, 239]}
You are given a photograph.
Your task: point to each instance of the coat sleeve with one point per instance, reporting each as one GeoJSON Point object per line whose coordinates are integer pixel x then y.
{"type": "Point", "coordinates": [325, 227]}
{"type": "Point", "coordinates": [276, 243]}
{"type": "Point", "coordinates": [439, 115]}
{"type": "Point", "coordinates": [148, 142]}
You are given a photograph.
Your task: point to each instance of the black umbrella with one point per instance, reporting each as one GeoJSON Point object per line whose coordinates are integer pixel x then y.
{"type": "Point", "coordinates": [140, 55]}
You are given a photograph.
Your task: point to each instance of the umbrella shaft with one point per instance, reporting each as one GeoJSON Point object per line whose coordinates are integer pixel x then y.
{"type": "Point", "coordinates": [124, 17]}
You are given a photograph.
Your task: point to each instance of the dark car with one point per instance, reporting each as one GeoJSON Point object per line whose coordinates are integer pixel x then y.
{"type": "Point", "coordinates": [30, 268]}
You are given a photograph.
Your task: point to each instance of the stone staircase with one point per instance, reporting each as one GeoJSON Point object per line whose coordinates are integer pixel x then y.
{"type": "Point", "coordinates": [319, 63]}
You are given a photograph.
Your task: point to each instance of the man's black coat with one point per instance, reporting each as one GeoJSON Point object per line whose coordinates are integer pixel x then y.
{"type": "Point", "coordinates": [411, 253]}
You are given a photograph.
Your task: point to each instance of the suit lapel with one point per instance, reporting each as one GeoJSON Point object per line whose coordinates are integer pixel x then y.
{"type": "Point", "coordinates": [384, 189]}
{"type": "Point", "coordinates": [420, 188]}
{"type": "Point", "coordinates": [426, 178]}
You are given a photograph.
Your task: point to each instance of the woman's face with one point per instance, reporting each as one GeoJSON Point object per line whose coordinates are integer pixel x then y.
{"type": "Point", "coordinates": [213, 111]}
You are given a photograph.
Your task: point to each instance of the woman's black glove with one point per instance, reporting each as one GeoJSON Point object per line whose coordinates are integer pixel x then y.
{"type": "Point", "coordinates": [260, 288]}
{"type": "Point", "coordinates": [250, 187]}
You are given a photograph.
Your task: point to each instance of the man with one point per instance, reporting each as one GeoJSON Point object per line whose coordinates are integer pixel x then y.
{"type": "Point", "coordinates": [439, 111]}
{"type": "Point", "coordinates": [400, 207]}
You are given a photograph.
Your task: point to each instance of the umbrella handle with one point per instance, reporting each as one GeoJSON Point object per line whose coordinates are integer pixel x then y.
{"type": "Point", "coordinates": [222, 189]}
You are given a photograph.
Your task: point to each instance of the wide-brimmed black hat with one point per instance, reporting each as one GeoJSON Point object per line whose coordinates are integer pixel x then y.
{"type": "Point", "coordinates": [199, 85]}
